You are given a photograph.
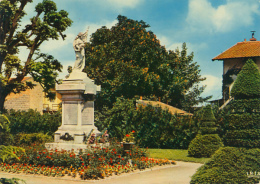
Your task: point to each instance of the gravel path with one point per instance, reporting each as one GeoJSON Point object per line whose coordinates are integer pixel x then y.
{"type": "Point", "coordinates": [176, 174]}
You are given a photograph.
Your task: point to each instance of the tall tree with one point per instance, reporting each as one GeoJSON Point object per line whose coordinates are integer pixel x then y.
{"type": "Point", "coordinates": [128, 60]}
{"type": "Point", "coordinates": [48, 23]}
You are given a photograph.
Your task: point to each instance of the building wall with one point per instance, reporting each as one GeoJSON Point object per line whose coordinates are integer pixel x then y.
{"type": "Point", "coordinates": [18, 101]}
{"type": "Point", "coordinates": [31, 99]}
{"type": "Point", "coordinates": [237, 63]}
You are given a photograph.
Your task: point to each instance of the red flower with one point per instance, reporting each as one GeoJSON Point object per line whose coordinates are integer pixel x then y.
{"type": "Point", "coordinates": [133, 131]}
{"type": "Point", "coordinates": [82, 164]}
{"type": "Point", "coordinates": [119, 156]}
{"type": "Point", "coordinates": [127, 135]}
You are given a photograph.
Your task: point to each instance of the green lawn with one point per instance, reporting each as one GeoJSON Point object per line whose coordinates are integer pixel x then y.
{"type": "Point", "coordinates": [175, 154]}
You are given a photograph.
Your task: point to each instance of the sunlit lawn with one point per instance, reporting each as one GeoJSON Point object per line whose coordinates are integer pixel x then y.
{"type": "Point", "coordinates": [175, 154]}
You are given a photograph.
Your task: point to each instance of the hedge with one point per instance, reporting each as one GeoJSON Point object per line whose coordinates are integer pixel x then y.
{"type": "Point", "coordinates": [229, 165]}
{"type": "Point", "coordinates": [32, 121]}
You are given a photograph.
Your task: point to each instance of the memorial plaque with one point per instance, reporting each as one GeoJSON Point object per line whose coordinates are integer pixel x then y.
{"type": "Point", "coordinates": [88, 113]}
{"type": "Point", "coordinates": [70, 113]}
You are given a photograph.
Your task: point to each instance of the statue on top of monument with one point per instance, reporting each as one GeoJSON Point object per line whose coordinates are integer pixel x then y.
{"type": "Point", "coordinates": [79, 45]}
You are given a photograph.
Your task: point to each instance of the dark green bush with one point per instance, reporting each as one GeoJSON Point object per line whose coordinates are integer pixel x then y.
{"type": "Point", "coordinates": [33, 138]}
{"type": "Point", "coordinates": [11, 181]}
{"type": "Point", "coordinates": [243, 125]}
{"type": "Point", "coordinates": [247, 84]}
{"type": "Point", "coordinates": [229, 165]}
{"type": "Point", "coordinates": [207, 123]}
{"type": "Point", "coordinates": [6, 137]}
{"type": "Point", "coordinates": [154, 127]}
{"type": "Point", "coordinates": [204, 145]}
{"type": "Point", "coordinates": [32, 121]}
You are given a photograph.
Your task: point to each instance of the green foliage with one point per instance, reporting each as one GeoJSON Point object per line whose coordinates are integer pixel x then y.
{"type": "Point", "coordinates": [208, 114]}
{"type": "Point", "coordinates": [207, 123]}
{"type": "Point", "coordinates": [154, 126]}
{"type": "Point", "coordinates": [8, 153]}
{"type": "Point", "coordinates": [245, 105]}
{"type": "Point", "coordinates": [204, 145]}
{"type": "Point", "coordinates": [229, 165]}
{"type": "Point", "coordinates": [48, 23]}
{"type": "Point", "coordinates": [11, 181]}
{"type": "Point", "coordinates": [128, 61]}
{"type": "Point", "coordinates": [158, 128]}
{"type": "Point", "coordinates": [247, 84]}
{"type": "Point", "coordinates": [119, 119]}
{"type": "Point", "coordinates": [32, 121]}
{"type": "Point", "coordinates": [242, 126]}
{"type": "Point", "coordinates": [5, 136]}
{"type": "Point", "coordinates": [33, 138]}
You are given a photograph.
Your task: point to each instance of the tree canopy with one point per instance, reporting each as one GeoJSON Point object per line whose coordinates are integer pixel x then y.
{"type": "Point", "coordinates": [48, 23]}
{"type": "Point", "coordinates": [129, 61]}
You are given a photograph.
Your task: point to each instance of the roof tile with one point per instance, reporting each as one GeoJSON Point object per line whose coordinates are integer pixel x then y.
{"type": "Point", "coordinates": [241, 50]}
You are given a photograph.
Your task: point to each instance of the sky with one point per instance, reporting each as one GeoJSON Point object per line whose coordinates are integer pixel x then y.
{"type": "Point", "coordinates": [208, 27]}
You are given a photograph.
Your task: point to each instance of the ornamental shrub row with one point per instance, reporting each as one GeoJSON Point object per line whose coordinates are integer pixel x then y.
{"type": "Point", "coordinates": [32, 121]}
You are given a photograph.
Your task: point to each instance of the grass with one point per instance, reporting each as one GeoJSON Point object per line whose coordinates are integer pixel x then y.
{"type": "Point", "coordinates": [175, 154]}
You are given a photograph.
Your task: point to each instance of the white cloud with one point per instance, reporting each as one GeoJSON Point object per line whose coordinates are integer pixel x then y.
{"type": "Point", "coordinates": [52, 45]}
{"type": "Point", "coordinates": [214, 86]}
{"type": "Point", "coordinates": [203, 16]}
{"type": "Point", "coordinates": [124, 3]}
{"type": "Point", "coordinates": [94, 26]}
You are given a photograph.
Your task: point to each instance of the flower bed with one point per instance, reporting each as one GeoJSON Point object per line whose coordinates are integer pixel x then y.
{"type": "Point", "coordinates": [90, 164]}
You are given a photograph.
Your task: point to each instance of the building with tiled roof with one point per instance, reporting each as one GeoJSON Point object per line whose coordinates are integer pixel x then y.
{"type": "Point", "coordinates": [234, 59]}
{"type": "Point", "coordinates": [164, 106]}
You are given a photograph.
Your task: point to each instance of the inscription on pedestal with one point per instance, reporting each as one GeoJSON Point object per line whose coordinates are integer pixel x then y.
{"type": "Point", "coordinates": [70, 113]}
{"type": "Point", "coordinates": [88, 113]}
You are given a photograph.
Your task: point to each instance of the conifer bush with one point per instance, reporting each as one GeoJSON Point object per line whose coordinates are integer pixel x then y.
{"type": "Point", "coordinates": [207, 122]}
{"type": "Point", "coordinates": [207, 141]}
{"type": "Point", "coordinates": [243, 127]}
{"type": "Point", "coordinates": [204, 145]}
{"type": "Point", "coordinates": [229, 165]}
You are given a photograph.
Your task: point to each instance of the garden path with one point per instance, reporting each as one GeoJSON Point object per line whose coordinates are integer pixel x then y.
{"type": "Point", "coordinates": [178, 174]}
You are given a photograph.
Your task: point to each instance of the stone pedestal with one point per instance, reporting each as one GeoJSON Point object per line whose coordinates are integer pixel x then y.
{"type": "Point", "coordinates": [77, 112]}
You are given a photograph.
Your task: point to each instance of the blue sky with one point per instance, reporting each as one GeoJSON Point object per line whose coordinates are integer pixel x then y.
{"type": "Point", "coordinates": [208, 27]}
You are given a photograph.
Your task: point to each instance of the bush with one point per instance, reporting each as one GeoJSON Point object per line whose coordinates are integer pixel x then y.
{"type": "Point", "coordinates": [154, 127]}
{"type": "Point", "coordinates": [229, 165]}
{"type": "Point", "coordinates": [204, 145]}
{"type": "Point", "coordinates": [34, 138]}
{"type": "Point", "coordinates": [11, 181]}
{"type": "Point", "coordinates": [207, 123]}
{"type": "Point", "coordinates": [32, 121]}
{"type": "Point", "coordinates": [247, 84]}
{"type": "Point", "coordinates": [6, 137]}
{"type": "Point", "coordinates": [243, 125]}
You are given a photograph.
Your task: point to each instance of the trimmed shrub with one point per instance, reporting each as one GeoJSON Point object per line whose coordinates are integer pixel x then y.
{"type": "Point", "coordinates": [243, 125]}
{"type": "Point", "coordinates": [32, 121]}
{"type": "Point", "coordinates": [34, 138]}
{"type": "Point", "coordinates": [247, 84]}
{"type": "Point", "coordinates": [229, 165]}
{"type": "Point", "coordinates": [204, 145]}
{"type": "Point", "coordinates": [207, 123]}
